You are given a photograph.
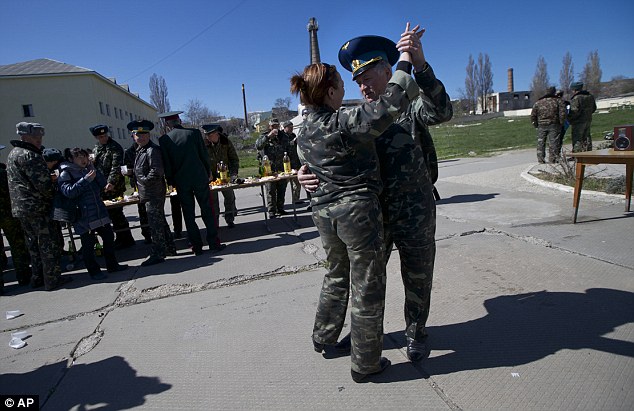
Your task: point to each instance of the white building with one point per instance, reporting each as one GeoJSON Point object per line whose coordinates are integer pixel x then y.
{"type": "Point", "coordinates": [66, 100]}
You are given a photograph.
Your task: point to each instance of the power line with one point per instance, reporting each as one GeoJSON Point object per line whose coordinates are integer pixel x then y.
{"type": "Point", "coordinates": [187, 42]}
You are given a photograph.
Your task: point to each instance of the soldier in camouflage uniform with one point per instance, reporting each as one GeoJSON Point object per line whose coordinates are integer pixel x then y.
{"type": "Point", "coordinates": [548, 116]}
{"type": "Point", "coordinates": [220, 148]}
{"type": "Point", "coordinates": [409, 168]}
{"type": "Point", "coordinates": [150, 177]}
{"type": "Point", "coordinates": [273, 143]}
{"type": "Point", "coordinates": [109, 159]}
{"type": "Point", "coordinates": [339, 148]}
{"type": "Point", "coordinates": [582, 105]}
{"type": "Point", "coordinates": [295, 164]}
{"type": "Point", "coordinates": [128, 159]}
{"type": "Point", "coordinates": [15, 235]}
{"type": "Point", "coordinates": [31, 191]}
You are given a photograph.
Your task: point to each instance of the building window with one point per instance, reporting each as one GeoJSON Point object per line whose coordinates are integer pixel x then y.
{"type": "Point", "coordinates": [116, 113]}
{"type": "Point", "coordinates": [119, 132]}
{"type": "Point", "coordinates": [108, 109]}
{"type": "Point", "coordinates": [131, 119]}
{"type": "Point", "coordinates": [526, 96]}
{"type": "Point", "coordinates": [121, 114]}
{"type": "Point", "coordinates": [27, 109]}
{"type": "Point", "coordinates": [101, 107]}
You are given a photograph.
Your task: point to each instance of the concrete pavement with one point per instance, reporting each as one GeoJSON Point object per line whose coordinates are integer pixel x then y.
{"type": "Point", "coordinates": [528, 312]}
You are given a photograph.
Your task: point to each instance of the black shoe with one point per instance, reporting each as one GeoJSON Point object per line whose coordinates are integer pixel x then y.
{"type": "Point", "coordinates": [319, 347]}
{"type": "Point", "coordinates": [272, 215]}
{"type": "Point", "coordinates": [36, 282]}
{"type": "Point", "coordinates": [282, 212]}
{"type": "Point", "coordinates": [218, 247]}
{"type": "Point", "coordinates": [358, 377]}
{"type": "Point", "coordinates": [178, 234]}
{"type": "Point", "coordinates": [416, 350]}
{"type": "Point", "coordinates": [118, 267]}
{"type": "Point", "coordinates": [61, 280]}
{"type": "Point", "coordinates": [171, 253]}
{"type": "Point", "coordinates": [25, 280]}
{"type": "Point", "coordinates": [198, 251]}
{"type": "Point", "coordinates": [230, 224]}
{"type": "Point", "coordinates": [152, 261]}
{"type": "Point", "coordinates": [98, 276]}
{"type": "Point", "coordinates": [344, 345]}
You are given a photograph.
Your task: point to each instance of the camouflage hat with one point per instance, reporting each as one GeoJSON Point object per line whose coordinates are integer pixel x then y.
{"type": "Point", "coordinates": [29, 129]}
{"type": "Point", "coordinates": [98, 130]}
{"type": "Point", "coordinates": [52, 154]}
{"type": "Point", "coordinates": [576, 86]}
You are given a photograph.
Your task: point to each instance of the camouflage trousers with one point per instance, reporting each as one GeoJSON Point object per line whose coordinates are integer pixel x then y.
{"type": "Point", "coordinates": [229, 203]}
{"type": "Point", "coordinates": [275, 196]}
{"type": "Point", "coordinates": [409, 222]}
{"type": "Point", "coordinates": [351, 232]}
{"type": "Point", "coordinates": [42, 242]}
{"type": "Point", "coordinates": [581, 138]}
{"type": "Point", "coordinates": [12, 229]}
{"type": "Point", "coordinates": [162, 239]}
{"type": "Point", "coordinates": [548, 135]}
{"type": "Point", "coordinates": [295, 190]}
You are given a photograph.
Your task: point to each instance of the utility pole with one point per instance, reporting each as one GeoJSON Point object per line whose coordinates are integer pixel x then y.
{"type": "Point", "coordinates": [244, 103]}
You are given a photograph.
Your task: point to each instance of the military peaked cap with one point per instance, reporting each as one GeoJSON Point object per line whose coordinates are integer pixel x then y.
{"type": "Point", "coordinates": [98, 130]}
{"type": "Point", "coordinates": [576, 86]}
{"type": "Point", "coordinates": [361, 53]}
{"type": "Point", "coordinates": [170, 115]}
{"type": "Point", "coordinates": [210, 128]}
{"type": "Point", "coordinates": [140, 126]}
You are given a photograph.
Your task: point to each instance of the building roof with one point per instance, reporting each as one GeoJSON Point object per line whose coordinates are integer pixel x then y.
{"type": "Point", "coordinates": [40, 66]}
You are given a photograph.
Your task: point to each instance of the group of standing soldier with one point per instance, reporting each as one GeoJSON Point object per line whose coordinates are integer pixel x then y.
{"type": "Point", "coordinates": [551, 115]}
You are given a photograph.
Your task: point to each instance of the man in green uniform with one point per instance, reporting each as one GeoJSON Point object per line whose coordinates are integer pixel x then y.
{"type": "Point", "coordinates": [582, 105]}
{"type": "Point", "coordinates": [187, 168]}
{"type": "Point", "coordinates": [409, 167]}
{"type": "Point", "coordinates": [220, 148]}
{"type": "Point", "coordinates": [15, 235]}
{"type": "Point", "coordinates": [109, 159]}
{"type": "Point", "coordinates": [31, 191]}
{"type": "Point", "coordinates": [547, 116]}
{"type": "Point", "coordinates": [273, 143]}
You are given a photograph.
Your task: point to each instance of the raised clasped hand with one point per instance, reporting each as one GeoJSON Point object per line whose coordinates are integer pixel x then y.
{"type": "Point", "coordinates": [410, 42]}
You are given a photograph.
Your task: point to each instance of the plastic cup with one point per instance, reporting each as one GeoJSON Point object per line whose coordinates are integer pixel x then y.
{"type": "Point", "coordinates": [16, 343]}
{"type": "Point", "coordinates": [13, 313]}
{"type": "Point", "coordinates": [124, 170]}
{"type": "Point", "coordinates": [19, 334]}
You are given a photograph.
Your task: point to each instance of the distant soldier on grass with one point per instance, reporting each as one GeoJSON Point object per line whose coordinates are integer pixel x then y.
{"type": "Point", "coordinates": [548, 116]}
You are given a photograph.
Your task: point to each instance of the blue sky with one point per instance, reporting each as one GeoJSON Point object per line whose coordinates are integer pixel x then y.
{"type": "Point", "coordinates": [208, 49]}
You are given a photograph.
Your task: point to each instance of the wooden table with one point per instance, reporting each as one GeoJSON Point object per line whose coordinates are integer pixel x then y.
{"type": "Point", "coordinates": [605, 156]}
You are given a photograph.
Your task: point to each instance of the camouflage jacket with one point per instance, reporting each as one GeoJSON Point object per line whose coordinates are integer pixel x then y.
{"type": "Point", "coordinates": [339, 146]}
{"type": "Point", "coordinates": [108, 160]}
{"type": "Point", "coordinates": [406, 149]}
{"type": "Point", "coordinates": [30, 185]}
{"type": "Point", "coordinates": [548, 110]}
{"type": "Point", "coordinates": [582, 105]}
{"type": "Point", "coordinates": [223, 150]}
{"type": "Point", "coordinates": [5, 201]}
{"type": "Point", "coordinates": [274, 148]}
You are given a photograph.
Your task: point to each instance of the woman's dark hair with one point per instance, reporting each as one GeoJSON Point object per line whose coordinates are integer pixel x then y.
{"type": "Point", "coordinates": [312, 85]}
{"type": "Point", "coordinates": [71, 153]}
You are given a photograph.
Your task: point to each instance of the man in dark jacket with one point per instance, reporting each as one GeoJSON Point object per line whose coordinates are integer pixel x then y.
{"type": "Point", "coordinates": [582, 105]}
{"type": "Point", "coordinates": [108, 160]}
{"type": "Point", "coordinates": [31, 191]}
{"type": "Point", "coordinates": [15, 235]}
{"type": "Point", "coordinates": [128, 161]}
{"type": "Point", "coordinates": [187, 168]}
{"type": "Point", "coordinates": [150, 178]}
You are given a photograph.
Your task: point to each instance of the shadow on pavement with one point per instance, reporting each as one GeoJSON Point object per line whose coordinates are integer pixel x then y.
{"type": "Point", "coordinates": [523, 328]}
{"type": "Point", "coordinates": [467, 198]}
{"type": "Point", "coordinates": [110, 384]}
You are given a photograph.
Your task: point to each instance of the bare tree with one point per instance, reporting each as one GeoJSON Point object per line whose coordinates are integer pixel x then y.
{"type": "Point", "coordinates": [540, 80]}
{"type": "Point", "coordinates": [591, 75]}
{"type": "Point", "coordinates": [283, 103]}
{"type": "Point", "coordinates": [158, 93]}
{"type": "Point", "coordinates": [484, 77]}
{"type": "Point", "coordinates": [567, 74]}
{"type": "Point", "coordinates": [470, 83]}
{"type": "Point", "coordinates": [197, 113]}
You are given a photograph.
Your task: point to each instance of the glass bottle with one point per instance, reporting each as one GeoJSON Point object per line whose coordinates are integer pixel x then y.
{"type": "Point", "coordinates": [266, 165]}
{"type": "Point", "coordinates": [224, 172]}
{"type": "Point", "coordinates": [98, 249]}
{"type": "Point", "coordinates": [287, 163]}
